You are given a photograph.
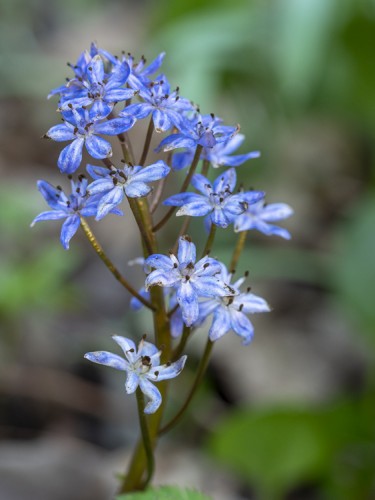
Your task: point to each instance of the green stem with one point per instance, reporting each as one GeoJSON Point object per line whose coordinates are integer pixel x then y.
{"type": "Point", "coordinates": [138, 463]}
{"type": "Point", "coordinates": [205, 167]}
{"type": "Point", "coordinates": [146, 146]}
{"type": "Point", "coordinates": [147, 445]}
{"type": "Point", "coordinates": [200, 373]}
{"type": "Point", "coordinates": [184, 186]}
{"type": "Point", "coordinates": [116, 273]}
{"type": "Point", "coordinates": [238, 250]}
{"type": "Point", "coordinates": [210, 240]}
{"type": "Point", "coordinates": [182, 231]}
{"type": "Point", "coordinates": [181, 346]}
{"type": "Point", "coordinates": [134, 206]}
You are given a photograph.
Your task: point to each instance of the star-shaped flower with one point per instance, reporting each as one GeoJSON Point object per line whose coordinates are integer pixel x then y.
{"type": "Point", "coordinates": [202, 130]}
{"type": "Point", "coordinates": [114, 184]}
{"type": "Point", "coordinates": [71, 207]}
{"type": "Point", "coordinates": [259, 215]}
{"type": "Point", "coordinates": [166, 106]}
{"type": "Point", "coordinates": [99, 89]}
{"type": "Point", "coordinates": [230, 313]}
{"type": "Point", "coordinates": [142, 367]}
{"type": "Point", "coordinates": [216, 200]}
{"type": "Point", "coordinates": [82, 126]}
{"type": "Point", "coordinates": [190, 279]}
{"type": "Point", "coordinates": [218, 156]}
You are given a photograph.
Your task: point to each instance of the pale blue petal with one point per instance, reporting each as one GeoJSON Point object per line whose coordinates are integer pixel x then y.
{"type": "Point", "coordinates": [161, 278]}
{"type": "Point", "coordinates": [71, 156]}
{"type": "Point", "coordinates": [153, 172]}
{"type": "Point", "coordinates": [98, 147]}
{"type": "Point", "coordinates": [221, 324]}
{"type": "Point", "coordinates": [118, 95]}
{"type": "Point", "coordinates": [168, 371]}
{"type": "Point", "coordinates": [276, 211]}
{"type": "Point", "coordinates": [186, 250]}
{"type": "Point", "coordinates": [210, 286]}
{"type": "Point", "coordinates": [50, 215]}
{"type": "Point", "coordinates": [115, 126]}
{"type": "Point", "coordinates": [159, 260]}
{"type": "Point", "coordinates": [177, 200]}
{"type": "Point", "coordinates": [251, 303]}
{"type": "Point", "coordinates": [110, 201]}
{"type": "Point", "coordinates": [197, 208]}
{"type": "Point", "coordinates": [137, 189]}
{"type": "Point", "coordinates": [118, 77]}
{"type": "Point", "coordinates": [69, 229]}
{"type": "Point", "coordinates": [226, 180]}
{"type": "Point", "coordinates": [128, 346]}
{"type": "Point", "coordinates": [132, 381]}
{"type": "Point", "coordinates": [152, 393]}
{"type": "Point", "coordinates": [161, 121]}
{"type": "Point", "coordinates": [101, 185]}
{"type": "Point", "coordinates": [242, 326]}
{"type": "Point", "coordinates": [107, 359]}
{"type": "Point", "coordinates": [61, 133]}
{"type": "Point", "coordinates": [235, 161]}
{"type": "Point", "coordinates": [97, 172]}
{"type": "Point", "coordinates": [202, 184]}
{"type": "Point", "coordinates": [188, 301]}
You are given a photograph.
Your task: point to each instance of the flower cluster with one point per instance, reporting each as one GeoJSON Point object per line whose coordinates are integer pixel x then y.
{"type": "Point", "coordinates": [103, 101]}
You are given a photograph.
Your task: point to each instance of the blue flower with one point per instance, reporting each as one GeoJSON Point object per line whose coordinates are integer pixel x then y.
{"type": "Point", "coordinates": [82, 126]}
{"type": "Point", "coordinates": [165, 106]}
{"type": "Point", "coordinates": [190, 280]}
{"type": "Point", "coordinates": [71, 207]}
{"type": "Point", "coordinates": [99, 89]}
{"type": "Point", "coordinates": [114, 184]}
{"type": "Point", "coordinates": [218, 156]}
{"type": "Point", "coordinates": [230, 313]}
{"type": "Point", "coordinates": [142, 367]}
{"type": "Point", "coordinates": [216, 201]}
{"type": "Point", "coordinates": [139, 73]}
{"type": "Point", "coordinates": [206, 131]}
{"type": "Point", "coordinates": [259, 215]}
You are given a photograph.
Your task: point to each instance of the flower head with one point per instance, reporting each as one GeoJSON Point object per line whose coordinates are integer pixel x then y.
{"type": "Point", "coordinates": [230, 313]}
{"type": "Point", "coordinates": [142, 367]}
{"type": "Point", "coordinates": [191, 280]}
{"type": "Point", "coordinates": [216, 200]}
{"type": "Point", "coordinates": [218, 156]}
{"type": "Point", "coordinates": [259, 215]}
{"type": "Point", "coordinates": [113, 184]}
{"type": "Point", "coordinates": [78, 203]}
{"type": "Point", "coordinates": [82, 126]}
{"type": "Point", "coordinates": [165, 105]}
{"type": "Point", "coordinates": [202, 130]}
{"type": "Point", "coordinates": [97, 88]}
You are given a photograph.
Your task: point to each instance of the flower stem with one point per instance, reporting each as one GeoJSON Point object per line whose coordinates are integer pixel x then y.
{"type": "Point", "coordinates": [146, 146]}
{"type": "Point", "coordinates": [116, 273]}
{"type": "Point", "coordinates": [184, 186]}
{"type": "Point", "coordinates": [181, 346]}
{"type": "Point", "coordinates": [134, 206]}
{"type": "Point", "coordinates": [200, 373]}
{"type": "Point", "coordinates": [210, 240]}
{"type": "Point", "coordinates": [138, 464]}
{"type": "Point", "coordinates": [238, 250]}
{"type": "Point", "coordinates": [147, 445]}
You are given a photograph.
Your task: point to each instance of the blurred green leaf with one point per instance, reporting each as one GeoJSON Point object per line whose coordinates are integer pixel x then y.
{"type": "Point", "coordinates": [277, 450]}
{"type": "Point", "coordinates": [353, 269]}
{"type": "Point", "coordinates": [272, 451]}
{"type": "Point", "coordinates": [165, 493]}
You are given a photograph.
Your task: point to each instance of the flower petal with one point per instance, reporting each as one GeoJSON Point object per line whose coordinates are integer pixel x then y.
{"type": "Point", "coordinates": [165, 372]}
{"type": "Point", "coordinates": [107, 359]}
{"type": "Point", "coordinates": [71, 156]}
{"type": "Point", "coordinates": [186, 250]}
{"type": "Point", "coordinates": [115, 126]}
{"type": "Point", "coordinates": [98, 147]}
{"type": "Point", "coordinates": [242, 326]}
{"type": "Point", "coordinates": [132, 381]}
{"type": "Point", "coordinates": [109, 201]}
{"type": "Point", "coordinates": [69, 229]}
{"type": "Point", "coordinates": [221, 323]}
{"type": "Point", "coordinates": [152, 393]}
{"type": "Point", "coordinates": [188, 301]}
{"type": "Point", "coordinates": [61, 133]}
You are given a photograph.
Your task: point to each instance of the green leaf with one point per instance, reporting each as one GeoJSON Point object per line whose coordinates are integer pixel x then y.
{"type": "Point", "coordinates": [273, 450]}
{"type": "Point", "coordinates": [353, 270]}
{"type": "Point", "coordinates": [165, 493]}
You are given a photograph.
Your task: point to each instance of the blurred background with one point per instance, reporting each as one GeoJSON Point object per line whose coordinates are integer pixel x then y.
{"type": "Point", "coordinates": [292, 415]}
